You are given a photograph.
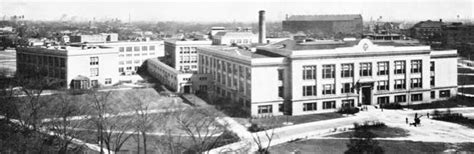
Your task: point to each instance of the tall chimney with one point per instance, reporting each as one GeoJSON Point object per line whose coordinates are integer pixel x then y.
{"type": "Point", "coordinates": [261, 26]}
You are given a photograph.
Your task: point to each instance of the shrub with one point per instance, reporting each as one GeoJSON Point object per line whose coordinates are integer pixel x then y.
{"type": "Point", "coordinates": [369, 125]}
{"type": "Point", "coordinates": [255, 128]}
{"type": "Point", "coordinates": [396, 106]}
{"type": "Point", "coordinates": [348, 110]}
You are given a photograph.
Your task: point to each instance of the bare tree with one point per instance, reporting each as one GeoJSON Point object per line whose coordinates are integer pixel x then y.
{"type": "Point", "coordinates": [111, 127]}
{"type": "Point", "coordinates": [61, 123]}
{"type": "Point", "coordinates": [200, 126]}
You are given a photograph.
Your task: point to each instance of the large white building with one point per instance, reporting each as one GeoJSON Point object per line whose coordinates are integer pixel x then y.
{"type": "Point", "coordinates": [79, 67]}
{"type": "Point", "coordinates": [234, 37]}
{"type": "Point", "coordinates": [110, 62]}
{"type": "Point", "coordinates": [322, 76]}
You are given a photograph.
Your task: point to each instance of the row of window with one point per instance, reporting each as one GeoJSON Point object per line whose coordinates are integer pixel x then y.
{"type": "Point", "coordinates": [187, 50]}
{"type": "Point", "coordinates": [313, 106]}
{"type": "Point", "coordinates": [414, 97]}
{"type": "Point", "coordinates": [128, 62]}
{"type": "Point", "coordinates": [347, 70]}
{"type": "Point", "coordinates": [42, 60]}
{"type": "Point", "coordinates": [188, 59]}
{"type": "Point", "coordinates": [209, 63]}
{"type": "Point", "coordinates": [137, 48]}
{"type": "Point", "coordinates": [137, 54]}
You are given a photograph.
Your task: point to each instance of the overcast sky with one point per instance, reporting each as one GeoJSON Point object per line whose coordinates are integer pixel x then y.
{"type": "Point", "coordinates": [233, 10]}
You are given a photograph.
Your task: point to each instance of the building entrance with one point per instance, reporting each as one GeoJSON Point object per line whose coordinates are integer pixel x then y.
{"type": "Point", "coordinates": [187, 89]}
{"type": "Point", "coordinates": [366, 95]}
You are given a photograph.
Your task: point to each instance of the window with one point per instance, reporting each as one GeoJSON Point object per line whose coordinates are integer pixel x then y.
{"type": "Point", "coordinates": [347, 70]}
{"type": "Point", "coordinates": [383, 100]}
{"type": "Point", "coordinates": [416, 97]}
{"type": "Point", "coordinates": [136, 61]}
{"type": "Point", "coordinates": [309, 90]}
{"type": "Point", "coordinates": [348, 103]}
{"type": "Point", "coordinates": [265, 109]}
{"type": "Point", "coordinates": [328, 89]}
{"type": "Point", "coordinates": [229, 67]}
{"type": "Point", "coordinates": [144, 48]}
{"type": "Point", "coordinates": [328, 71]}
{"type": "Point", "coordinates": [94, 61]}
{"type": "Point", "coordinates": [310, 106]}
{"type": "Point", "coordinates": [137, 48]}
{"type": "Point", "coordinates": [399, 67]}
{"type": "Point", "coordinates": [241, 71]}
{"type": "Point", "coordinates": [108, 80]}
{"type": "Point", "coordinates": [129, 62]}
{"type": "Point", "coordinates": [444, 93]}
{"type": "Point", "coordinates": [382, 68]}
{"type": "Point", "coordinates": [347, 88]}
{"type": "Point", "coordinates": [432, 94]}
{"type": "Point", "coordinates": [280, 74]}
{"type": "Point", "coordinates": [400, 98]}
{"type": "Point", "coordinates": [62, 62]}
{"type": "Point", "coordinates": [416, 66]}
{"type": "Point", "coordinates": [432, 66]}
{"type": "Point", "coordinates": [329, 105]}
{"type": "Point", "coordinates": [248, 73]}
{"type": "Point", "coordinates": [121, 49]}
{"type": "Point", "coordinates": [152, 48]}
{"type": "Point", "coordinates": [121, 69]}
{"type": "Point", "coordinates": [129, 49]}
{"type": "Point", "coordinates": [432, 81]}
{"type": "Point", "coordinates": [416, 83]}
{"type": "Point", "coordinates": [365, 69]}
{"type": "Point", "coordinates": [399, 84]}
{"type": "Point", "coordinates": [382, 85]}
{"type": "Point", "coordinates": [309, 72]}
{"type": "Point", "coordinates": [94, 71]}
{"type": "Point", "coordinates": [280, 91]}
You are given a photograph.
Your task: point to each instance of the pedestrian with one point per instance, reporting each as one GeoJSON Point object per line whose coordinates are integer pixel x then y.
{"type": "Point", "coordinates": [406, 119]}
{"type": "Point", "coordinates": [416, 115]}
{"type": "Point", "coordinates": [428, 115]}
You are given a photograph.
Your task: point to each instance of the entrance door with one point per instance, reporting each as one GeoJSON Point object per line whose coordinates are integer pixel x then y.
{"type": "Point", "coordinates": [187, 89]}
{"type": "Point", "coordinates": [366, 95]}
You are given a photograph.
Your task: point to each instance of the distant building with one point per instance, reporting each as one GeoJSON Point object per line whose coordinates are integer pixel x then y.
{"type": "Point", "coordinates": [80, 67]}
{"type": "Point", "coordinates": [234, 37]}
{"type": "Point", "coordinates": [103, 37]}
{"type": "Point", "coordinates": [428, 31]}
{"type": "Point", "coordinates": [182, 55]}
{"type": "Point", "coordinates": [321, 76]}
{"type": "Point", "coordinates": [325, 25]}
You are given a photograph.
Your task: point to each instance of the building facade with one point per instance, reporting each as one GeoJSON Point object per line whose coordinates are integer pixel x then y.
{"type": "Point", "coordinates": [317, 77]}
{"type": "Point", "coordinates": [182, 55]}
{"type": "Point", "coordinates": [132, 55]}
{"type": "Point", "coordinates": [229, 38]}
{"type": "Point", "coordinates": [75, 67]}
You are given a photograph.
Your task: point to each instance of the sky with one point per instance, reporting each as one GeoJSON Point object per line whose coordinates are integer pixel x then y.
{"type": "Point", "coordinates": [235, 10]}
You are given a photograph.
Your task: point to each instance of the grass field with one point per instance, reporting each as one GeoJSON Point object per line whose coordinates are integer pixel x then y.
{"type": "Point", "coordinates": [466, 90]}
{"type": "Point", "coordinates": [459, 101]}
{"type": "Point", "coordinates": [385, 132]}
{"type": "Point", "coordinates": [277, 121]}
{"type": "Point", "coordinates": [339, 146]}
{"type": "Point", "coordinates": [465, 70]}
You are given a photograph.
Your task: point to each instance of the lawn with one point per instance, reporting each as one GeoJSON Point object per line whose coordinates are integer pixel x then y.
{"type": "Point", "coordinates": [277, 121]}
{"type": "Point", "coordinates": [465, 79]}
{"type": "Point", "coordinates": [384, 132]}
{"type": "Point", "coordinates": [459, 101]}
{"type": "Point", "coordinates": [339, 146]}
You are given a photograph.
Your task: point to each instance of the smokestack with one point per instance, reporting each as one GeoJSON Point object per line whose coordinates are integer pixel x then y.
{"type": "Point", "coordinates": [261, 26]}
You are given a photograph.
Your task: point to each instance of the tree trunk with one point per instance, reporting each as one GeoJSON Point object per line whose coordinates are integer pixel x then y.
{"type": "Point", "coordinates": [144, 142]}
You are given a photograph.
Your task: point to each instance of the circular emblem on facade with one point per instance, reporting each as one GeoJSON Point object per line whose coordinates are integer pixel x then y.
{"type": "Point", "coordinates": [365, 46]}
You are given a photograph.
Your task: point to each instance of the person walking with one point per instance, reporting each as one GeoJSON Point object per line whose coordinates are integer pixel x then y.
{"type": "Point", "coordinates": [406, 119]}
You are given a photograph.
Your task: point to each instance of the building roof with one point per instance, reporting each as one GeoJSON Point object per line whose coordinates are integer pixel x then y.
{"type": "Point", "coordinates": [429, 24]}
{"type": "Point", "coordinates": [290, 47]}
{"type": "Point", "coordinates": [233, 34]}
{"type": "Point", "coordinates": [342, 17]}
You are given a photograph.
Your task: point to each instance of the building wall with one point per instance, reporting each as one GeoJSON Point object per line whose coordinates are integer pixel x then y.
{"type": "Point", "coordinates": [182, 55]}
{"type": "Point", "coordinates": [80, 64]}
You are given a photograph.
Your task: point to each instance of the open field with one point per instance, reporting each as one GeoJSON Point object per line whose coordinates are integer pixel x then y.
{"type": "Point", "coordinates": [465, 79]}
{"type": "Point", "coordinates": [385, 132]}
{"type": "Point", "coordinates": [339, 146]}
{"type": "Point", "coordinates": [277, 121]}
